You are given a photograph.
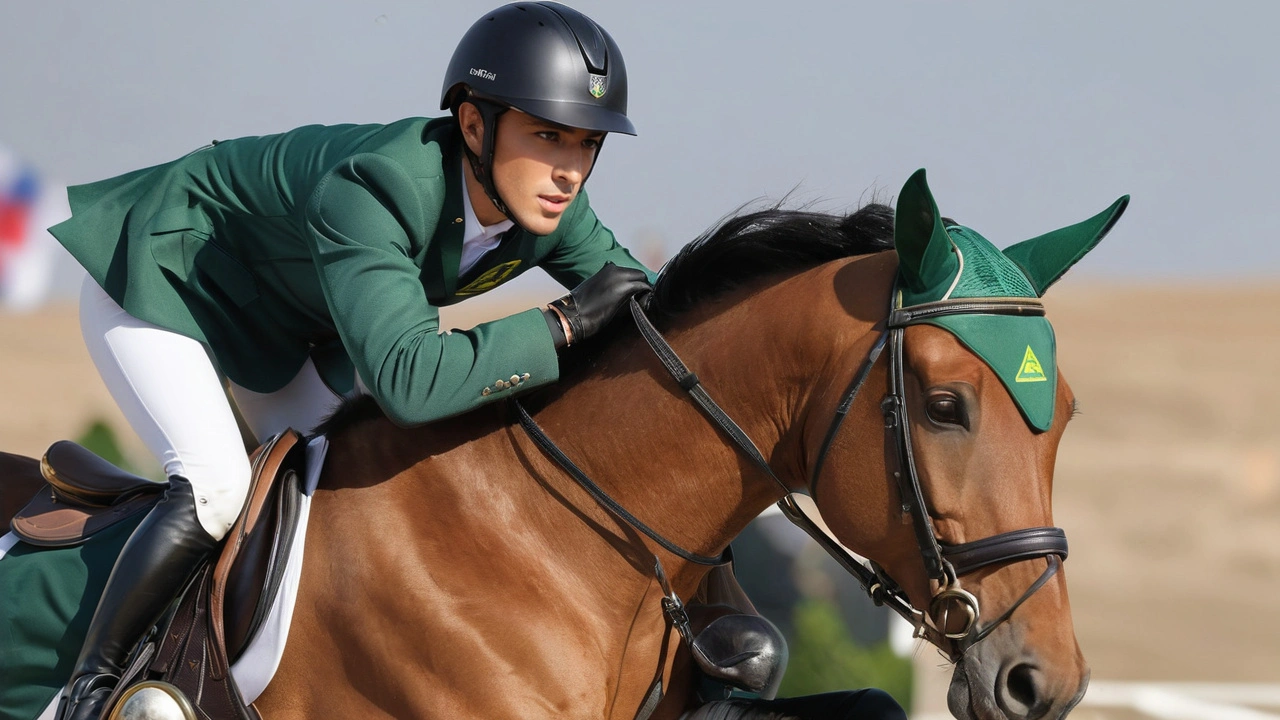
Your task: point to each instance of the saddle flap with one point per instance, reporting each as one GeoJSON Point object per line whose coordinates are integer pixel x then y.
{"type": "Point", "coordinates": [80, 475]}
{"type": "Point", "coordinates": [248, 571]}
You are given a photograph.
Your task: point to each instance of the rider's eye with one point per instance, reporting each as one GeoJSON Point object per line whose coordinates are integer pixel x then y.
{"type": "Point", "coordinates": [947, 409]}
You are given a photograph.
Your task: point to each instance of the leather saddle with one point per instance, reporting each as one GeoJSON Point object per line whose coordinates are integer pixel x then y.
{"type": "Point", "coordinates": [227, 600]}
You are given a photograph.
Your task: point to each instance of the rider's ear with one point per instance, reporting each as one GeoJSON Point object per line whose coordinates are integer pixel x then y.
{"type": "Point", "coordinates": [1044, 259]}
{"type": "Point", "coordinates": [924, 250]}
{"type": "Point", "coordinates": [472, 124]}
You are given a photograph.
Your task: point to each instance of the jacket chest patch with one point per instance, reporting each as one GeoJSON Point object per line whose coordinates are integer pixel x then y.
{"type": "Point", "coordinates": [490, 279]}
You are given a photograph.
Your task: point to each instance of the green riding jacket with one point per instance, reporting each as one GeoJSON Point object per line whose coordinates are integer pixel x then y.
{"type": "Point", "coordinates": [336, 243]}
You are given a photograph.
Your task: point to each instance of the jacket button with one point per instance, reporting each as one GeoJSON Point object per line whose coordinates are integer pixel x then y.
{"type": "Point", "coordinates": [485, 391]}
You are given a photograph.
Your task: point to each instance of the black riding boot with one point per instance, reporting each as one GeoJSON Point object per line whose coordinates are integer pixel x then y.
{"type": "Point", "coordinates": [157, 560]}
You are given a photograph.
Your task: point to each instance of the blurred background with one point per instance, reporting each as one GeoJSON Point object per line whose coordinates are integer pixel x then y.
{"type": "Point", "coordinates": [1028, 116]}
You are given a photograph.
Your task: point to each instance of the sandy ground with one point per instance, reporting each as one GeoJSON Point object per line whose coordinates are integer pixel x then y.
{"type": "Point", "coordinates": [1168, 484]}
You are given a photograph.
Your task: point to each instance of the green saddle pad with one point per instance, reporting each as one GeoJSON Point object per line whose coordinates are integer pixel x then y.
{"type": "Point", "coordinates": [47, 597]}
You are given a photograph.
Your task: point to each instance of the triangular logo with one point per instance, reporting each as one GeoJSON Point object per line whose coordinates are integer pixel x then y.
{"type": "Point", "coordinates": [1030, 371]}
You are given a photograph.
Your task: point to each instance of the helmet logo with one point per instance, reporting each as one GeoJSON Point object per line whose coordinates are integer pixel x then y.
{"type": "Point", "coordinates": [598, 85]}
{"type": "Point", "coordinates": [484, 74]}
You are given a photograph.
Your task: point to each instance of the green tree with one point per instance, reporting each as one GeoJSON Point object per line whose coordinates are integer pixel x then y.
{"type": "Point", "coordinates": [825, 658]}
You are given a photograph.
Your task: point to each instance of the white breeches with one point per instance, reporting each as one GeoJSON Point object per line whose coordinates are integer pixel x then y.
{"type": "Point", "coordinates": [170, 391]}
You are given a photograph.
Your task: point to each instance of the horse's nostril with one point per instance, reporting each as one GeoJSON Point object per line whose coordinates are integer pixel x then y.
{"type": "Point", "coordinates": [1022, 685]}
{"type": "Point", "coordinates": [1019, 695]}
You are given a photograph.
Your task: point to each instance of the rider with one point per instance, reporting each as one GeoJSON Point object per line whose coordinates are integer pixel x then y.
{"type": "Point", "coordinates": [307, 266]}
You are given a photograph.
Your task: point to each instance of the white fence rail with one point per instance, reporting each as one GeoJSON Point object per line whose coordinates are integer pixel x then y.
{"type": "Point", "coordinates": [1175, 701]}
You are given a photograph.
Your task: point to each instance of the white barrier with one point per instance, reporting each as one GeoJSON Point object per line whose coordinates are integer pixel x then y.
{"type": "Point", "coordinates": [1175, 700]}
{"type": "Point", "coordinates": [1187, 700]}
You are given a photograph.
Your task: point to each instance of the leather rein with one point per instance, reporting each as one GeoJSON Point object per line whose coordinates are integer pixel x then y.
{"type": "Point", "coordinates": [944, 563]}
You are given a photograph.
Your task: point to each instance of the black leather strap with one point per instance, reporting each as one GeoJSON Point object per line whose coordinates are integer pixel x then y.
{"type": "Point", "coordinates": [842, 410]}
{"type": "Point", "coordinates": [1054, 565]}
{"type": "Point", "coordinates": [902, 317]}
{"type": "Point", "coordinates": [600, 496]}
{"type": "Point", "coordinates": [1007, 547]}
{"type": "Point", "coordinates": [688, 380]}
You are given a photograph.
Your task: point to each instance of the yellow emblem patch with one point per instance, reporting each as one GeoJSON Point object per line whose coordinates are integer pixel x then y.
{"type": "Point", "coordinates": [492, 278]}
{"type": "Point", "coordinates": [1030, 371]}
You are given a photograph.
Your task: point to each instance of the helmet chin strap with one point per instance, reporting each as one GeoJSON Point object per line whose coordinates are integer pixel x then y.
{"type": "Point", "coordinates": [482, 164]}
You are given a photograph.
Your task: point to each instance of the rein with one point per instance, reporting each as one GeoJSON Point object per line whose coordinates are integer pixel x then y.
{"type": "Point", "coordinates": [944, 563]}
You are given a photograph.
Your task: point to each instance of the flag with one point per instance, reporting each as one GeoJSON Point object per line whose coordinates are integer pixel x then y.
{"type": "Point", "coordinates": [30, 257]}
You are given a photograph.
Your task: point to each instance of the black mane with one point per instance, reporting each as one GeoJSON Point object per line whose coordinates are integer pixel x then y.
{"type": "Point", "coordinates": [739, 249]}
{"type": "Point", "coordinates": [748, 246]}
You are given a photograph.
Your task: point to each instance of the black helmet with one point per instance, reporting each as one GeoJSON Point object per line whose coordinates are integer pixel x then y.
{"type": "Point", "coordinates": [547, 60]}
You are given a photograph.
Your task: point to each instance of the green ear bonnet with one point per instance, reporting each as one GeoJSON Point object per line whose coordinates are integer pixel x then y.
{"type": "Point", "coordinates": [952, 262]}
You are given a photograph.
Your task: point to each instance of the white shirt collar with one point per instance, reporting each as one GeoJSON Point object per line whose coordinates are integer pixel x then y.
{"type": "Point", "coordinates": [477, 239]}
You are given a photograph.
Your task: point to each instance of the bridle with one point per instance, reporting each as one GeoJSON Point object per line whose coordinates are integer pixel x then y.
{"type": "Point", "coordinates": [945, 564]}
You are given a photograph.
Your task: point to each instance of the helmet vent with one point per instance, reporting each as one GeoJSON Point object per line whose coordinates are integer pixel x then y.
{"type": "Point", "coordinates": [590, 39]}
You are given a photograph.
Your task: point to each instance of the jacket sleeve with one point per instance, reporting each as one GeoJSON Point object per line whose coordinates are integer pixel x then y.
{"type": "Point", "coordinates": [362, 219]}
{"type": "Point", "coordinates": [585, 246]}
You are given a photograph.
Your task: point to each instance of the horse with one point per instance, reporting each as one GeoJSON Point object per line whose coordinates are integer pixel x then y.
{"type": "Point", "coordinates": [458, 569]}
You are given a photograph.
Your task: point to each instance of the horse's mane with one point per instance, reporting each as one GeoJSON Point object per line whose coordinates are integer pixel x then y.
{"type": "Point", "coordinates": [744, 247]}
{"type": "Point", "coordinates": [741, 248]}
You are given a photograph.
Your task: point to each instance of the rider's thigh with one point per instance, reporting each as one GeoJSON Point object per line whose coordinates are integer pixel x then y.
{"type": "Point", "coordinates": [302, 405]}
{"type": "Point", "coordinates": [170, 392]}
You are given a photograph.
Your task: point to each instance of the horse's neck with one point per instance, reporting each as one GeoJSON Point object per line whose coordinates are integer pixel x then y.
{"type": "Point", "coordinates": [759, 353]}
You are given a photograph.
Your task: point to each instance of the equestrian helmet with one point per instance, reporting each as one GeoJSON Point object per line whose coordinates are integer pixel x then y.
{"type": "Point", "coordinates": [544, 59]}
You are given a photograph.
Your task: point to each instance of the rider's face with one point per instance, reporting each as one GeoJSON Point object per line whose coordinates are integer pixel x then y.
{"type": "Point", "coordinates": [538, 168]}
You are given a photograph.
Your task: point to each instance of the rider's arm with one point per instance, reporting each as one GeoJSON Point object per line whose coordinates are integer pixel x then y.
{"type": "Point", "coordinates": [364, 218]}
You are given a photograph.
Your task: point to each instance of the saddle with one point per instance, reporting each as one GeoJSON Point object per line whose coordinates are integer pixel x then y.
{"type": "Point", "coordinates": [226, 601]}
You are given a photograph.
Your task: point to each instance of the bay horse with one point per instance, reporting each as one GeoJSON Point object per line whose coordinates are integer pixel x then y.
{"type": "Point", "coordinates": [458, 570]}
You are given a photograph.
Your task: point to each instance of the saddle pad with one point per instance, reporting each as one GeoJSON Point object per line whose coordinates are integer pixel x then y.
{"type": "Point", "coordinates": [261, 658]}
{"type": "Point", "coordinates": [258, 663]}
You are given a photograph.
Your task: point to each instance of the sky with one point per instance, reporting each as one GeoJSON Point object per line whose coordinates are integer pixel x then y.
{"type": "Point", "coordinates": [1028, 115]}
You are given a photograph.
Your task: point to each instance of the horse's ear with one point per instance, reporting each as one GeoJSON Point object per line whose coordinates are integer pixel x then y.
{"type": "Point", "coordinates": [925, 259]}
{"type": "Point", "coordinates": [1044, 259]}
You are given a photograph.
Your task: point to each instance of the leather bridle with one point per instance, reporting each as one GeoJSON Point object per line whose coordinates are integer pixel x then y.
{"type": "Point", "coordinates": [945, 564]}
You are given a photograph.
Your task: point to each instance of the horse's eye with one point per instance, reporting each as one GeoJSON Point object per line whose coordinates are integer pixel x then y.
{"type": "Point", "coordinates": [947, 409]}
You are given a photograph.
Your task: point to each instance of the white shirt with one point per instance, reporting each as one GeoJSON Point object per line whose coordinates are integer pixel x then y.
{"type": "Point", "coordinates": [477, 239]}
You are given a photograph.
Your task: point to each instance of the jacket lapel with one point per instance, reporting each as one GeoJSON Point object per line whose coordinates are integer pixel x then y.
{"type": "Point", "coordinates": [449, 231]}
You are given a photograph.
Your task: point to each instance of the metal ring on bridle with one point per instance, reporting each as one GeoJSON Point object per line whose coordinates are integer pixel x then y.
{"type": "Point", "coordinates": [941, 603]}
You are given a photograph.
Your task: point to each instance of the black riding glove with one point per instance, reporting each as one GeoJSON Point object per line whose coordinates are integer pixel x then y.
{"type": "Point", "coordinates": [591, 305]}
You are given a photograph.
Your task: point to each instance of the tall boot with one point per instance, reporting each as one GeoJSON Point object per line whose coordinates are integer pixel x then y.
{"type": "Point", "coordinates": [158, 559]}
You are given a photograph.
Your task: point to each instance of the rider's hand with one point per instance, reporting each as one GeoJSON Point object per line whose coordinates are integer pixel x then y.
{"type": "Point", "coordinates": [591, 305]}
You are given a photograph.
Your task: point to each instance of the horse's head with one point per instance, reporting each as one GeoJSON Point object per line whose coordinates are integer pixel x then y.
{"type": "Point", "coordinates": [972, 418]}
